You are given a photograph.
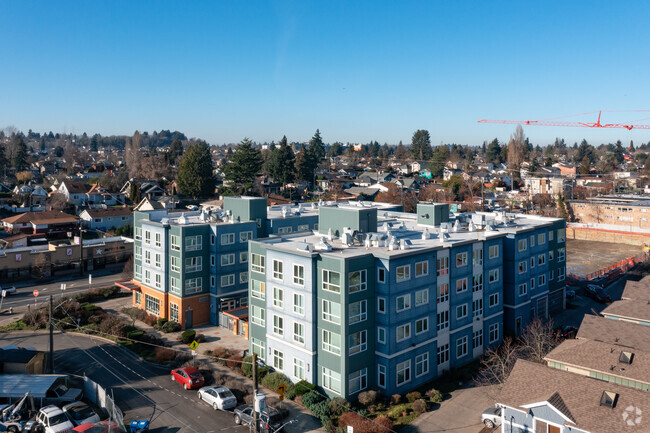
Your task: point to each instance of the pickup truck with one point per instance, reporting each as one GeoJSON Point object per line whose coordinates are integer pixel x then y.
{"type": "Point", "coordinates": [269, 420]}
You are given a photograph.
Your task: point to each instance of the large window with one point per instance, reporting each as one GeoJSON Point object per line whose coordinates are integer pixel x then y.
{"type": "Point", "coordinates": [493, 275]}
{"type": "Point", "coordinates": [443, 354]}
{"type": "Point", "coordinates": [461, 347]}
{"type": "Point", "coordinates": [173, 312]}
{"type": "Point", "coordinates": [358, 342]}
{"type": "Point", "coordinates": [193, 243]}
{"type": "Point", "coordinates": [541, 238]}
{"type": "Point", "coordinates": [442, 266]}
{"type": "Point", "coordinates": [147, 237]}
{"type": "Point", "coordinates": [331, 342]}
{"type": "Point", "coordinates": [257, 291]}
{"type": "Point", "coordinates": [147, 257]}
{"type": "Point", "coordinates": [259, 316]}
{"type": "Point", "coordinates": [477, 282]}
{"type": "Point", "coordinates": [477, 307]}
{"type": "Point", "coordinates": [138, 252]}
{"type": "Point", "coordinates": [331, 311]}
{"type": "Point", "coordinates": [461, 259]}
{"type": "Point", "coordinates": [494, 332]}
{"type": "Point", "coordinates": [561, 235]}
{"type": "Point", "coordinates": [157, 260]}
{"type": "Point", "coordinates": [560, 254]}
{"type": "Point", "coordinates": [331, 380]}
{"type": "Point", "coordinates": [138, 298]}
{"type": "Point", "coordinates": [403, 273]}
{"type": "Point", "coordinates": [403, 302]}
{"type": "Point", "coordinates": [175, 243]}
{"type": "Point", "coordinates": [541, 259]}
{"type": "Point", "coordinates": [227, 239]}
{"type": "Point", "coordinates": [245, 236]}
{"type": "Point", "coordinates": [152, 305]}
{"type": "Point", "coordinates": [138, 233]}
{"type": "Point", "coordinates": [299, 275]}
{"type": "Point", "coordinates": [461, 285]}
{"type": "Point", "coordinates": [421, 297]}
{"type": "Point", "coordinates": [257, 263]}
{"type": "Point", "coordinates": [358, 381]}
{"type": "Point", "coordinates": [158, 241]}
{"type": "Point", "coordinates": [299, 369]}
{"type": "Point", "coordinates": [228, 280]}
{"type": "Point", "coordinates": [403, 371]}
{"type": "Point", "coordinates": [421, 325]}
{"type": "Point", "coordinates": [193, 264]}
{"type": "Point", "coordinates": [477, 257]}
{"type": "Point", "coordinates": [227, 259]}
{"type": "Point", "coordinates": [403, 332]}
{"type": "Point", "coordinates": [298, 304]}
{"type": "Point", "coordinates": [193, 285]}
{"type": "Point", "coordinates": [278, 325]}
{"type": "Point", "coordinates": [461, 311]}
{"type": "Point", "coordinates": [158, 280]}
{"type": "Point", "coordinates": [523, 267]}
{"type": "Point", "coordinates": [521, 245]}
{"type": "Point", "coordinates": [443, 320]}
{"type": "Point", "coordinates": [331, 281]}
{"type": "Point", "coordinates": [278, 359]}
{"type": "Point", "coordinates": [259, 347]}
{"type": "Point", "coordinates": [358, 311]}
{"type": "Point", "coordinates": [381, 376]}
{"type": "Point", "coordinates": [477, 339]}
{"type": "Point", "coordinates": [523, 289]}
{"type": "Point", "coordinates": [278, 269]}
{"type": "Point", "coordinates": [298, 332]}
{"type": "Point", "coordinates": [493, 252]}
{"type": "Point", "coordinates": [443, 292]}
{"type": "Point", "coordinates": [175, 286]}
{"type": "Point", "coordinates": [278, 297]}
{"type": "Point", "coordinates": [243, 277]}
{"type": "Point", "coordinates": [421, 269]}
{"type": "Point", "coordinates": [357, 281]}
{"type": "Point", "coordinates": [422, 364]}
{"type": "Point", "coordinates": [243, 257]}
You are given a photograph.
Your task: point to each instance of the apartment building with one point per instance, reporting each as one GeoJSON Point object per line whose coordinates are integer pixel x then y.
{"type": "Point", "coordinates": [190, 267]}
{"type": "Point", "coordinates": [628, 212]}
{"type": "Point", "coordinates": [391, 300]}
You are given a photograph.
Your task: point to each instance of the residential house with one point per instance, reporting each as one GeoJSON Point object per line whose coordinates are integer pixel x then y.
{"type": "Point", "coordinates": [106, 219]}
{"type": "Point", "coordinates": [629, 310]}
{"type": "Point", "coordinates": [74, 192]}
{"type": "Point", "coordinates": [52, 224]}
{"type": "Point", "coordinates": [148, 188]}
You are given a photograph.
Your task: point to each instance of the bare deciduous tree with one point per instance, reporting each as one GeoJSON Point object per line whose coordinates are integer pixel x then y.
{"type": "Point", "coordinates": [497, 363]}
{"type": "Point", "coordinates": [537, 340]}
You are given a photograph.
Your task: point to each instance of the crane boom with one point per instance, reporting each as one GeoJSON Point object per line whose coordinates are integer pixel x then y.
{"type": "Point", "coordinates": [596, 124]}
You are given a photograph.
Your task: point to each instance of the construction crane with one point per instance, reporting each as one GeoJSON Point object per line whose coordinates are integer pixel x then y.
{"type": "Point", "coordinates": [551, 122]}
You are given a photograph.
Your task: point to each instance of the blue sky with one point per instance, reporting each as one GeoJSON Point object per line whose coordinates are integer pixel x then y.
{"type": "Point", "coordinates": [357, 70]}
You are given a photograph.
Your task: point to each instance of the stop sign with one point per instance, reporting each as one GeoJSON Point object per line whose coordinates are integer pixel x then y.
{"type": "Point", "coordinates": [35, 293]}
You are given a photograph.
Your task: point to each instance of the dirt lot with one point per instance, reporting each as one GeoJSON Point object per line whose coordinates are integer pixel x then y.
{"type": "Point", "coordinates": [585, 257]}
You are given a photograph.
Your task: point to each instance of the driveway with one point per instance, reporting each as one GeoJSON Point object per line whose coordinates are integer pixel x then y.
{"type": "Point", "coordinates": [459, 414]}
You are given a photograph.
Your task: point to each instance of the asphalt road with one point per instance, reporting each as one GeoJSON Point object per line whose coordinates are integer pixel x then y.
{"type": "Point", "coordinates": [142, 390]}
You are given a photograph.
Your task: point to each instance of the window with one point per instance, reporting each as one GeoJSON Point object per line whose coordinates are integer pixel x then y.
{"type": "Point", "coordinates": [358, 342]}
{"type": "Point", "coordinates": [227, 259]}
{"type": "Point", "coordinates": [421, 269]}
{"type": "Point", "coordinates": [277, 269]}
{"type": "Point", "coordinates": [243, 277]}
{"type": "Point", "coordinates": [243, 257]}
{"type": "Point", "coordinates": [173, 312]}
{"type": "Point", "coordinates": [461, 311]}
{"type": "Point", "coordinates": [532, 284]}
{"type": "Point", "coordinates": [259, 347]}
{"type": "Point", "coordinates": [358, 312]}
{"type": "Point", "coordinates": [147, 257]}
{"type": "Point", "coordinates": [331, 281]}
{"type": "Point", "coordinates": [193, 243]}
{"type": "Point", "coordinates": [331, 342]}
{"type": "Point", "coordinates": [151, 305]}
{"type": "Point", "coordinates": [299, 275]}
{"type": "Point", "coordinates": [298, 304]}
{"type": "Point", "coordinates": [157, 262]}
{"type": "Point", "coordinates": [442, 266]}
{"type": "Point", "coordinates": [523, 289]}
{"type": "Point", "coordinates": [138, 272]}
{"type": "Point", "coordinates": [227, 280]}
{"type": "Point", "coordinates": [158, 279]}
{"type": "Point", "coordinates": [138, 233]}
{"type": "Point", "coordinates": [421, 325]}
{"type": "Point", "coordinates": [493, 300]}
{"type": "Point", "coordinates": [138, 252]}
{"type": "Point", "coordinates": [284, 230]}
{"type": "Point", "coordinates": [278, 325]}
{"type": "Point", "coordinates": [212, 260]}
{"type": "Point", "coordinates": [523, 267]}
{"type": "Point", "coordinates": [381, 376]}
{"type": "Point", "coordinates": [560, 274]}
{"type": "Point", "coordinates": [443, 354]}
{"type": "Point", "coordinates": [561, 234]}
{"type": "Point", "coordinates": [227, 239]}
{"type": "Point", "coordinates": [403, 332]}
{"type": "Point", "coordinates": [147, 276]}
{"type": "Point", "coordinates": [551, 274]}
{"type": "Point", "coordinates": [213, 281]}
{"type": "Point", "coordinates": [403, 372]}
{"type": "Point", "coordinates": [532, 241]}
{"type": "Point", "coordinates": [461, 259]}
{"type": "Point", "coordinates": [331, 380]}
{"type": "Point", "coordinates": [381, 305]}
{"type": "Point", "coordinates": [257, 291]}
{"type": "Point", "coordinates": [278, 297]}
{"type": "Point", "coordinates": [532, 262]}
{"type": "Point", "coordinates": [358, 381]}
{"type": "Point", "coordinates": [403, 273]}
{"type": "Point", "coordinates": [176, 245]}
{"type": "Point", "coordinates": [138, 298]}
{"type": "Point", "coordinates": [541, 259]}
{"type": "Point", "coordinates": [421, 297]}
{"type": "Point", "coordinates": [403, 302]}
{"type": "Point", "coordinates": [193, 285]}
{"type": "Point", "coordinates": [541, 280]}
{"type": "Point", "coordinates": [477, 257]}
{"type": "Point", "coordinates": [175, 287]}
{"type": "Point", "coordinates": [443, 292]}
{"type": "Point", "coordinates": [257, 263]}
{"type": "Point", "coordinates": [443, 320]}
{"type": "Point", "coordinates": [522, 245]}
{"type": "Point", "coordinates": [477, 282]}
{"type": "Point", "coordinates": [303, 227]}
{"type": "Point", "coordinates": [381, 275]}
{"type": "Point", "coordinates": [193, 264]}
{"type": "Point", "coordinates": [493, 275]}
{"type": "Point", "coordinates": [560, 254]}
{"type": "Point", "coordinates": [461, 285]}
{"type": "Point", "coordinates": [245, 237]}
{"type": "Point", "coordinates": [212, 239]}
{"type": "Point", "coordinates": [494, 332]}
{"type": "Point", "coordinates": [357, 281]}
{"type": "Point", "coordinates": [278, 359]}
{"type": "Point", "coordinates": [158, 241]}
{"type": "Point", "coordinates": [493, 251]}
{"type": "Point", "coordinates": [477, 308]}
{"type": "Point", "coordinates": [258, 316]}
{"type": "Point", "coordinates": [381, 335]}
{"type": "Point", "coordinates": [147, 237]}
{"type": "Point", "coordinates": [541, 238]}
{"type": "Point", "coordinates": [550, 235]}
{"type": "Point", "coordinates": [550, 255]}
{"type": "Point", "coordinates": [477, 339]}
{"type": "Point", "coordinates": [331, 311]}
{"type": "Point", "coordinates": [299, 369]}
{"type": "Point", "coordinates": [421, 364]}
{"type": "Point", "coordinates": [461, 347]}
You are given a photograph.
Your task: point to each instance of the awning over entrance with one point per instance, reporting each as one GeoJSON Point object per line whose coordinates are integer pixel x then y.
{"type": "Point", "coordinates": [240, 313]}
{"type": "Point", "coordinates": [128, 285]}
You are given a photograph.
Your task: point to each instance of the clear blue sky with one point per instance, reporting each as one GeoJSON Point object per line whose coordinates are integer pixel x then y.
{"type": "Point", "coordinates": [358, 70]}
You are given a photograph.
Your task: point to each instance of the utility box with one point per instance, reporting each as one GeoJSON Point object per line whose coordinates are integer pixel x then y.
{"type": "Point", "coordinates": [433, 214]}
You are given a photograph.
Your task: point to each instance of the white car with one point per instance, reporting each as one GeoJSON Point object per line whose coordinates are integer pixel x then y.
{"type": "Point", "coordinates": [80, 413]}
{"type": "Point", "coordinates": [491, 417]}
{"type": "Point", "coordinates": [54, 420]}
{"type": "Point", "coordinates": [8, 290]}
{"type": "Point", "coordinates": [219, 397]}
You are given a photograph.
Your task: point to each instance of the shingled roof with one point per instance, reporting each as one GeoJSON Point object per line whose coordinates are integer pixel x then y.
{"type": "Point", "coordinates": [639, 290]}
{"type": "Point", "coordinates": [619, 332]}
{"type": "Point", "coordinates": [629, 308]}
{"type": "Point", "coordinates": [39, 217]}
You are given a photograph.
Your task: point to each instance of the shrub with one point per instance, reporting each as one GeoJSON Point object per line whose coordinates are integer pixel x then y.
{"type": "Point", "coordinates": [338, 406]}
{"type": "Point", "coordinates": [364, 425]}
{"type": "Point", "coordinates": [112, 325]}
{"type": "Point", "coordinates": [160, 322]}
{"type": "Point", "coordinates": [164, 355]}
{"type": "Point", "coordinates": [135, 335]}
{"type": "Point", "coordinates": [303, 387]}
{"type": "Point", "coordinates": [150, 320]}
{"type": "Point", "coordinates": [396, 398]}
{"type": "Point", "coordinates": [89, 307]}
{"type": "Point", "coordinates": [247, 366]}
{"type": "Point", "coordinates": [273, 380]}
{"type": "Point", "coordinates": [95, 319]}
{"type": "Point", "coordinates": [434, 396]}
{"type": "Point", "coordinates": [310, 399]}
{"type": "Point", "coordinates": [372, 408]}
{"type": "Point", "coordinates": [222, 354]}
{"type": "Point", "coordinates": [385, 423]}
{"type": "Point", "coordinates": [170, 326]}
{"type": "Point", "coordinates": [321, 410]}
{"type": "Point", "coordinates": [396, 411]}
{"type": "Point", "coordinates": [412, 396]}
{"type": "Point", "coordinates": [368, 397]}
{"type": "Point", "coordinates": [234, 362]}
{"type": "Point", "coordinates": [419, 406]}
{"type": "Point", "coordinates": [188, 336]}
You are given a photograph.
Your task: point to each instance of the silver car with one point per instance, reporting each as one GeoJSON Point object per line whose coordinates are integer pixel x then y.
{"type": "Point", "coordinates": [491, 417]}
{"type": "Point", "coordinates": [219, 397]}
{"type": "Point", "coordinates": [80, 413]}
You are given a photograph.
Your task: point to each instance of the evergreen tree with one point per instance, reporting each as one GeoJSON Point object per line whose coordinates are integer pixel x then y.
{"type": "Point", "coordinates": [243, 166]}
{"type": "Point", "coordinates": [195, 177]}
{"type": "Point", "coordinates": [280, 165]}
{"type": "Point", "coordinates": [335, 149]}
{"type": "Point", "coordinates": [316, 150]}
{"type": "Point", "coordinates": [561, 207]}
{"type": "Point", "coordinates": [175, 152]}
{"type": "Point", "coordinates": [585, 165]}
{"type": "Point", "coordinates": [493, 154]}
{"type": "Point", "coordinates": [3, 158]}
{"type": "Point", "coordinates": [20, 153]}
{"type": "Point", "coordinates": [438, 161]}
{"type": "Point", "coordinates": [421, 145]}
{"type": "Point", "coordinates": [94, 143]}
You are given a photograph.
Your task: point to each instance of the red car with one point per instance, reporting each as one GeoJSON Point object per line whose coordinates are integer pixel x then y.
{"type": "Point", "coordinates": [97, 427]}
{"type": "Point", "coordinates": [188, 376]}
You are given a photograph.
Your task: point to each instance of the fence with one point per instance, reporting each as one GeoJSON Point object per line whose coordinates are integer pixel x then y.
{"type": "Point", "coordinates": [612, 271]}
{"type": "Point", "coordinates": [98, 395]}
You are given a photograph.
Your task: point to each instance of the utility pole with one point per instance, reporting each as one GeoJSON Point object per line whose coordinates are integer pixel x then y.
{"type": "Point", "coordinates": [255, 392]}
{"type": "Point", "coordinates": [51, 358]}
{"type": "Point", "coordinates": [81, 251]}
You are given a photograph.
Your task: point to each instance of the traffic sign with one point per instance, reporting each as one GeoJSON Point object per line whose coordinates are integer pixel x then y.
{"type": "Point", "coordinates": [4, 293]}
{"type": "Point", "coordinates": [194, 344]}
{"type": "Point", "coordinates": [35, 292]}
{"type": "Point", "coordinates": [282, 388]}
